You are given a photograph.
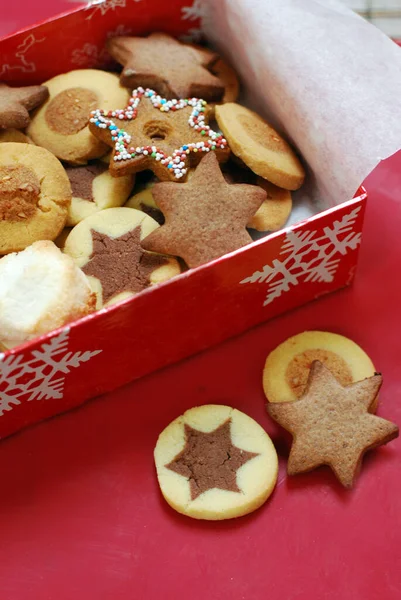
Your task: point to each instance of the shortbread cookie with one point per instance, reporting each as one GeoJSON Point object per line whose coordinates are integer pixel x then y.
{"type": "Point", "coordinates": [331, 425]}
{"type": "Point", "coordinates": [165, 136]}
{"type": "Point", "coordinates": [34, 196]}
{"type": "Point", "coordinates": [15, 104]}
{"type": "Point", "coordinates": [172, 69]}
{"type": "Point", "coordinates": [214, 462]}
{"type": "Point", "coordinates": [229, 79]}
{"type": "Point", "coordinates": [261, 148]}
{"type": "Point", "coordinates": [60, 125]}
{"type": "Point", "coordinates": [94, 189]}
{"type": "Point", "coordinates": [275, 210]}
{"type": "Point", "coordinates": [206, 217]}
{"type": "Point", "coordinates": [13, 135]}
{"type": "Point", "coordinates": [40, 289]}
{"type": "Point", "coordinates": [107, 247]}
{"type": "Point", "coordinates": [287, 367]}
{"type": "Point", "coordinates": [143, 200]}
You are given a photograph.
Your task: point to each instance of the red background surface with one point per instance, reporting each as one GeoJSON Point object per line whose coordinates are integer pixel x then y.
{"type": "Point", "coordinates": [81, 516]}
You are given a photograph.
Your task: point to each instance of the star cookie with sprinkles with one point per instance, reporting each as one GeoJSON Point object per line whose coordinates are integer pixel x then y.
{"type": "Point", "coordinates": [15, 104]}
{"type": "Point", "coordinates": [205, 217]}
{"type": "Point", "coordinates": [165, 136]}
{"type": "Point", "coordinates": [331, 425]}
{"type": "Point", "coordinates": [161, 62]}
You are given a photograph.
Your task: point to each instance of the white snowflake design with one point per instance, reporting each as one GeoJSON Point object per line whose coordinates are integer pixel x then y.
{"type": "Point", "coordinates": [23, 64]}
{"type": "Point", "coordinates": [196, 11]}
{"type": "Point", "coordinates": [324, 252]}
{"type": "Point", "coordinates": [41, 375]}
{"type": "Point", "coordinates": [89, 55]}
{"type": "Point", "coordinates": [103, 6]}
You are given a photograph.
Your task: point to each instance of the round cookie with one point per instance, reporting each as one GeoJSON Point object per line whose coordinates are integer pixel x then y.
{"type": "Point", "coordinates": [106, 246]}
{"type": "Point", "coordinates": [261, 148]}
{"type": "Point", "coordinates": [228, 76]}
{"type": "Point", "coordinates": [35, 195]}
{"type": "Point", "coordinates": [214, 462]}
{"type": "Point", "coordinates": [14, 135]}
{"type": "Point", "coordinates": [287, 367]}
{"type": "Point", "coordinates": [94, 189]}
{"type": "Point", "coordinates": [275, 210]}
{"type": "Point", "coordinates": [60, 125]}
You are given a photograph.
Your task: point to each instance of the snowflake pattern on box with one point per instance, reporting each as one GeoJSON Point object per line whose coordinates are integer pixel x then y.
{"type": "Point", "coordinates": [40, 376]}
{"type": "Point", "coordinates": [308, 256]}
{"type": "Point", "coordinates": [196, 11]}
{"type": "Point", "coordinates": [22, 63]}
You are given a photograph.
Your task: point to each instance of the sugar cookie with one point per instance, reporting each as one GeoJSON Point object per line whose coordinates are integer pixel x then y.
{"type": "Point", "coordinates": [287, 367]}
{"type": "Point", "coordinates": [60, 125]}
{"type": "Point", "coordinates": [261, 148]}
{"type": "Point", "coordinates": [275, 210]}
{"type": "Point", "coordinates": [214, 462]}
{"type": "Point", "coordinates": [34, 196]}
{"type": "Point", "coordinates": [106, 246]}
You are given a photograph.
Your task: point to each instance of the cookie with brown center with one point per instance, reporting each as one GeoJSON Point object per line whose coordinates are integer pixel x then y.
{"type": "Point", "coordinates": [287, 367]}
{"type": "Point", "coordinates": [61, 124]}
{"type": "Point", "coordinates": [331, 425]}
{"type": "Point", "coordinates": [214, 462]}
{"type": "Point", "coordinates": [162, 63]}
{"type": "Point", "coordinates": [35, 195]}
{"type": "Point", "coordinates": [107, 247]}
{"type": "Point", "coordinates": [94, 189]}
{"type": "Point", "coordinates": [15, 104]}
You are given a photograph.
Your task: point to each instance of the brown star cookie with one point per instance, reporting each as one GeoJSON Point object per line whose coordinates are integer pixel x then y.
{"type": "Point", "coordinates": [106, 246]}
{"type": "Point", "coordinates": [206, 217]}
{"type": "Point", "coordinates": [162, 63]}
{"type": "Point", "coordinates": [331, 425]}
{"type": "Point", "coordinates": [165, 136]}
{"type": "Point", "coordinates": [15, 104]}
{"type": "Point", "coordinates": [215, 462]}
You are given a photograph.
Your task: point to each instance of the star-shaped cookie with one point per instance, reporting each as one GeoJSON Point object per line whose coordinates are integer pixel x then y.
{"type": "Point", "coordinates": [166, 136]}
{"type": "Point", "coordinates": [16, 102]}
{"type": "Point", "coordinates": [210, 460]}
{"type": "Point", "coordinates": [173, 69]}
{"type": "Point", "coordinates": [205, 217]}
{"type": "Point", "coordinates": [331, 425]}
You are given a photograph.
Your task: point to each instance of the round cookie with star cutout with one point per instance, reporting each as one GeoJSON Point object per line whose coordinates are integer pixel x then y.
{"type": "Point", "coordinates": [214, 463]}
{"type": "Point", "coordinates": [107, 247]}
{"type": "Point", "coordinates": [61, 123]}
{"type": "Point", "coordinates": [94, 189]}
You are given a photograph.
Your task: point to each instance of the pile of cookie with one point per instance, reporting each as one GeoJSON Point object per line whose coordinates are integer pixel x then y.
{"type": "Point", "coordinates": [82, 227]}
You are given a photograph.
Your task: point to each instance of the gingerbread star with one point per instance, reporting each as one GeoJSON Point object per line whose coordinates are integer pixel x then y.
{"type": "Point", "coordinates": [210, 460]}
{"type": "Point", "coordinates": [16, 102]}
{"type": "Point", "coordinates": [206, 217]}
{"type": "Point", "coordinates": [162, 63]}
{"type": "Point", "coordinates": [331, 425]}
{"type": "Point", "coordinates": [166, 136]}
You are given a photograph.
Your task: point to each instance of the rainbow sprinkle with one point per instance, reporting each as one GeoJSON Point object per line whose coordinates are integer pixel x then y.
{"type": "Point", "coordinates": [177, 161]}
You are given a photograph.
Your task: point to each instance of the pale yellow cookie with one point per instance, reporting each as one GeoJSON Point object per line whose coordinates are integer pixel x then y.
{"type": "Point", "coordinates": [106, 246]}
{"type": "Point", "coordinates": [275, 210]}
{"type": "Point", "coordinates": [259, 146]}
{"type": "Point", "coordinates": [60, 124]}
{"type": "Point", "coordinates": [14, 135]}
{"type": "Point", "coordinates": [94, 189]}
{"type": "Point", "coordinates": [35, 194]}
{"type": "Point", "coordinates": [214, 462]}
{"type": "Point", "coordinates": [287, 367]}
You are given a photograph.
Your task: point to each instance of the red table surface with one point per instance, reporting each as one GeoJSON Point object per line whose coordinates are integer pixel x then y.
{"type": "Point", "coordinates": [81, 516]}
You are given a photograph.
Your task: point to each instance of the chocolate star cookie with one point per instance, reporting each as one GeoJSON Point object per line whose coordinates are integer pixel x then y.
{"type": "Point", "coordinates": [166, 136]}
{"type": "Point", "coordinates": [214, 462]}
{"type": "Point", "coordinates": [206, 217]}
{"type": "Point", "coordinates": [331, 425]}
{"type": "Point", "coordinates": [162, 63]}
{"type": "Point", "coordinates": [15, 104]}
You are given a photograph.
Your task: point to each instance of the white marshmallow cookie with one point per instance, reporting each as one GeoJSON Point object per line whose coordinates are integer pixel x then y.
{"type": "Point", "coordinates": [40, 289]}
{"type": "Point", "coordinates": [214, 462]}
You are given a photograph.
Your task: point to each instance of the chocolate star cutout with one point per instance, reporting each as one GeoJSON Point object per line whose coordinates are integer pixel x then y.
{"type": "Point", "coordinates": [120, 263]}
{"type": "Point", "coordinates": [206, 217]}
{"type": "Point", "coordinates": [16, 102]}
{"type": "Point", "coordinates": [331, 424]}
{"type": "Point", "coordinates": [173, 69]}
{"type": "Point", "coordinates": [210, 460]}
{"type": "Point", "coordinates": [166, 136]}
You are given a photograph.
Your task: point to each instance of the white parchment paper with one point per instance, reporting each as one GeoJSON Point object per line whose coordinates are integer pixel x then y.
{"type": "Point", "coordinates": [325, 77]}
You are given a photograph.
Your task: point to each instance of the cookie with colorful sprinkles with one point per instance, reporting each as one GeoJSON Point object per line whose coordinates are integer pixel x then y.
{"type": "Point", "coordinates": [165, 136]}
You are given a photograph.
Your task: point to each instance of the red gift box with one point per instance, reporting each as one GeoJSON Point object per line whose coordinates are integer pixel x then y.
{"type": "Point", "coordinates": [195, 310]}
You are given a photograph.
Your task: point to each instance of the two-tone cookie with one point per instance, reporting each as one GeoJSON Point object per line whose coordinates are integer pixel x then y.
{"type": "Point", "coordinates": [107, 247]}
